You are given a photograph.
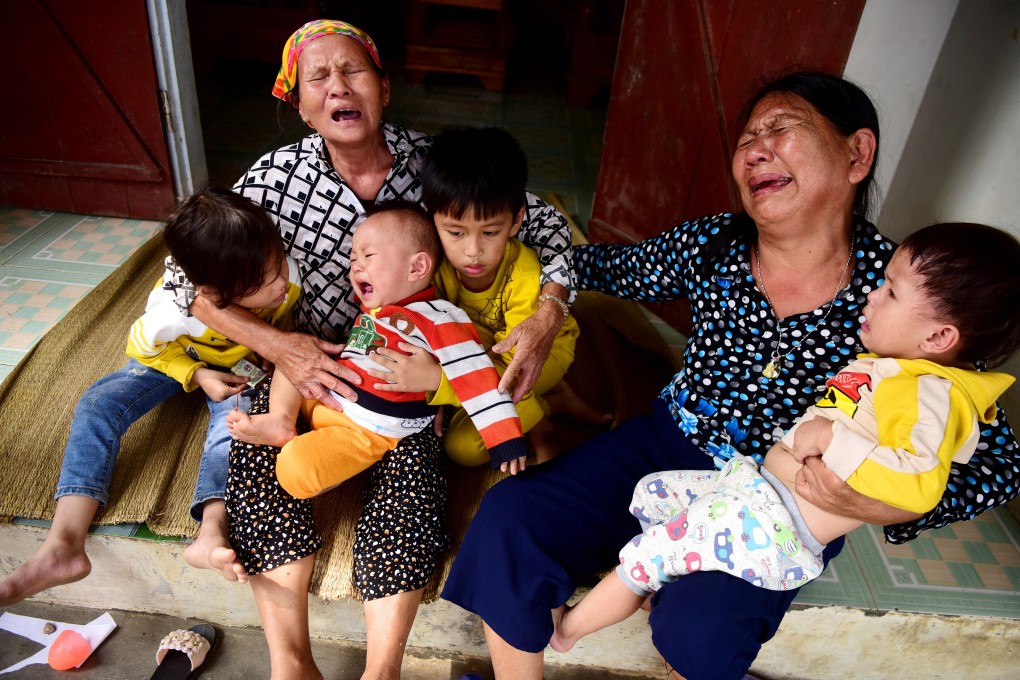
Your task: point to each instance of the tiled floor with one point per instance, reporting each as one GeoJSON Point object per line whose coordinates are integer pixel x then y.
{"type": "Point", "coordinates": [48, 261]}
{"type": "Point", "coordinates": [966, 568]}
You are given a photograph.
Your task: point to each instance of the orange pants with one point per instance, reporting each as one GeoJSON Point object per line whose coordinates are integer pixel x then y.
{"type": "Point", "coordinates": [335, 450]}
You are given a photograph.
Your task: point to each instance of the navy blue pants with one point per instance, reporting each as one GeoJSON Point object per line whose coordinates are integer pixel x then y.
{"type": "Point", "coordinates": [535, 535]}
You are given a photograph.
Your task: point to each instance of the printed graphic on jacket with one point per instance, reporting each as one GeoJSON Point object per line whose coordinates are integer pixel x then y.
{"type": "Point", "coordinates": [843, 391]}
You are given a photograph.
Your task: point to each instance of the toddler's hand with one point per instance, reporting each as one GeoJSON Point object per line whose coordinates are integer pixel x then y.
{"type": "Point", "coordinates": [812, 438]}
{"type": "Point", "coordinates": [218, 385]}
{"type": "Point", "coordinates": [514, 466]}
{"type": "Point", "coordinates": [412, 369]}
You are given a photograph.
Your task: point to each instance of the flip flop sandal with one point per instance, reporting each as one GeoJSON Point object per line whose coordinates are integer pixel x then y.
{"type": "Point", "coordinates": [182, 652]}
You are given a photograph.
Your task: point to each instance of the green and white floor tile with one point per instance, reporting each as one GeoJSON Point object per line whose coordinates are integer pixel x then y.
{"type": "Point", "coordinates": [965, 568]}
{"type": "Point", "coordinates": [48, 262]}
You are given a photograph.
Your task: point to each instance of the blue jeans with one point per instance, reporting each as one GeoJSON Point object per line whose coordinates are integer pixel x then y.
{"type": "Point", "coordinates": [105, 412]}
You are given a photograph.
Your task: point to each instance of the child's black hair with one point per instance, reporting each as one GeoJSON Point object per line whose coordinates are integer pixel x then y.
{"type": "Point", "coordinates": [971, 272]}
{"type": "Point", "coordinates": [474, 171]}
{"type": "Point", "coordinates": [223, 241]}
{"type": "Point", "coordinates": [421, 230]}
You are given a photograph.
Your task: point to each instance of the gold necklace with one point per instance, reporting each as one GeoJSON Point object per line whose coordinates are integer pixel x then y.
{"type": "Point", "coordinates": [772, 369]}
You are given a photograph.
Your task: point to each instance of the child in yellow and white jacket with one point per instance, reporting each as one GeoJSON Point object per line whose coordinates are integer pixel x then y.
{"type": "Point", "coordinates": [898, 425]}
{"type": "Point", "coordinates": [232, 252]}
{"type": "Point", "coordinates": [178, 345]}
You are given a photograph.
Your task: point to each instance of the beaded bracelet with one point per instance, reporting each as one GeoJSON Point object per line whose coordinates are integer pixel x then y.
{"type": "Point", "coordinates": [563, 305]}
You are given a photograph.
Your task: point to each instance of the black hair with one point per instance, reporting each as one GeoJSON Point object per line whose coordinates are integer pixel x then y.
{"type": "Point", "coordinates": [417, 223]}
{"type": "Point", "coordinates": [479, 171]}
{"type": "Point", "coordinates": [846, 107]}
{"type": "Point", "coordinates": [224, 241]}
{"type": "Point", "coordinates": [971, 273]}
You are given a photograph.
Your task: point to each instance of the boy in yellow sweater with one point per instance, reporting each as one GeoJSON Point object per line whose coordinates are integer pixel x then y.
{"type": "Point", "coordinates": [474, 185]}
{"type": "Point", "coordinates": [232, 252]}
{"type": "Point", "coordinates": [891, 424]}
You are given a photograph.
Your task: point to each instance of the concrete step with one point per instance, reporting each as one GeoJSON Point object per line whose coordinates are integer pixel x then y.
{"type": "Point", "coordinates": [149, 577]}
{"type": "Point", "coordinates": [240, 654]}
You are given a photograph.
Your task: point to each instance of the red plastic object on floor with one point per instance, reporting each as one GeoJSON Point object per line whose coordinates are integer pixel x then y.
{"type": "Point", "coordinates": [69, 651]}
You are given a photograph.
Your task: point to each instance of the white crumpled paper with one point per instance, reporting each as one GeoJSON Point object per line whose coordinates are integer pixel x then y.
{"type": "Point", "coordinates": [32, 628]}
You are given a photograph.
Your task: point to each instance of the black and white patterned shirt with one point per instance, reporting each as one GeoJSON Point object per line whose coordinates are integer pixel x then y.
{"type": "Point", "coordinates": [721, 400]}
{"type": "Point", "coordinates": [318, 212]}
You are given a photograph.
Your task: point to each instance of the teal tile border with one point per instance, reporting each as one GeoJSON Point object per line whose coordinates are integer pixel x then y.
{"type": "Point", "coordinates": [898, 585]}
{"type": "Point", "coordinates": [51, 231]}
{"type": "Point", "coordinates": [77, 278]}
{"type": "Point", "coordinates": [118, 530]}
{"type": "Point", "coordinates": [52, 223]}
{"type": "Point", "coordinates": [18, 238]}
{"type": "Point", "coordinates": [140, 531]}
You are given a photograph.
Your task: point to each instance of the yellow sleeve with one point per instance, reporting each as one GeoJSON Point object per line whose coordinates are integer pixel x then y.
{"type": "Point", "coordinates": [154, 338]}
{"type": "Point", "coordinates": [173, 361]}
{"type": "Point", "coordinates": [445, 395]}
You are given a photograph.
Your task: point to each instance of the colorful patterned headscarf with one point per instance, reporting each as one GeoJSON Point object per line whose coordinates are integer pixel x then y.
{"type": "Point", "coordinates": [287, 80]}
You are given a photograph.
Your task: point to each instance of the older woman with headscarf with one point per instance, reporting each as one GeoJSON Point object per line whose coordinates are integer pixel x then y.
{"type": "Point", "coordinates": [317, 190]}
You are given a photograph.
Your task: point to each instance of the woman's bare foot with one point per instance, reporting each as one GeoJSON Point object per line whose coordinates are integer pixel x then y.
{"type": "Point", "coordinates": [54, 564]}
{"type": "Point", "coordinates": [263, 429]}
{"type": "Point", "coordinates": [564, 401]}
{"type": "Point", "coordinates": [212, 550]}
{"type": "Point", "coordinates": [559, 641]}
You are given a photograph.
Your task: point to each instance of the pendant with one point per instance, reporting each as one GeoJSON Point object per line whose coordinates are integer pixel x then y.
{"type": "Point", "coordinates": [771, 370]}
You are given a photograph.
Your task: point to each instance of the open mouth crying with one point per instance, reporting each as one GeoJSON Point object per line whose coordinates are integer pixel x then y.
{"type": "Point", "coordinates": [345, 114]}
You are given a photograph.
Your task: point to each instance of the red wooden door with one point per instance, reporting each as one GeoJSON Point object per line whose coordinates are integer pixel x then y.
{"type": "Point", "coordinates": [683, 70]}
{"type": "Point", "coordinates": [82, 129]}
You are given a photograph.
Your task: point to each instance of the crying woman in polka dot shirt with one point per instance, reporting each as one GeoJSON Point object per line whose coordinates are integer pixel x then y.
{"type": "Point", "coordinates": [725, 399]}
{"type": "Point", "coordinates": [777, 295]}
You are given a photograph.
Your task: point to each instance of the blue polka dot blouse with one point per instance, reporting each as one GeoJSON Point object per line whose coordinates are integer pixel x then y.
{"type": "Point", "coordinates": [722, 398]}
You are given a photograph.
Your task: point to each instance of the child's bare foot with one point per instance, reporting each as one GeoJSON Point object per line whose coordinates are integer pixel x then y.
{"type": "Point", "coordinates": [54, 564]}
{"type": "Point", "coordinates": [544, 441]}
{"type": "Point", "coordinates": [559, 641]}
{"type": "Point", "coordinates": [219, 557]}
{"type": "Point", "coordinates": [564, 401]}
{"type": "Point", "coordinates": [262, 429]}
{"type": "Point", "coordinates": [212, 550]}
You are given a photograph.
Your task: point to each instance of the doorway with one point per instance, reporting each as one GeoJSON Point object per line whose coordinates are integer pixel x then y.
{"type": "Point", "coordinates": [559, 128]}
